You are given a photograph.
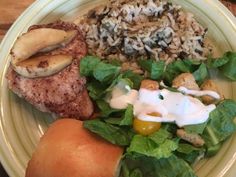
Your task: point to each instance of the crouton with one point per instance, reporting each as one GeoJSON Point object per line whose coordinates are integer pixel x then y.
{"type": "Point", "coordinates": [149, 84]}
{"type": "Point", "coordinates": [185, 80]}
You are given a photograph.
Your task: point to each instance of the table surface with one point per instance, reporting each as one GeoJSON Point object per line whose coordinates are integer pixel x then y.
{"type": "Point", "coordinates": [11, 9]}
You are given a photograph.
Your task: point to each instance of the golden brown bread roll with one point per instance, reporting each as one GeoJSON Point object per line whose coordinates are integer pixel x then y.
{"type": "Point", "coordinates": [69, 150]}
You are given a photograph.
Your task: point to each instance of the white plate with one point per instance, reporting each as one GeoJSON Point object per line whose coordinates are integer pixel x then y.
{"type": "Point", "coordinates": [21, 126]}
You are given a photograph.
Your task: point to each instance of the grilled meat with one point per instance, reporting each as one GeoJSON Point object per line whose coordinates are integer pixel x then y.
{"type": "Point", "coordinates": [63, 93]}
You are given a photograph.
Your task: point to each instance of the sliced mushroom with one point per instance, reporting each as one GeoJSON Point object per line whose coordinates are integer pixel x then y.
{"type": "Point", "coordinates": [42, 66]}
{"type": "Point", "coordinates": [37, 40]}
{"type": "Point", "coordinates": [185, 80]}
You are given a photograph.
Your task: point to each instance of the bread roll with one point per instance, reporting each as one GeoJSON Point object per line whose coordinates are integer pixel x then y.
{"type": "Point", "coordinates": [69, 150]}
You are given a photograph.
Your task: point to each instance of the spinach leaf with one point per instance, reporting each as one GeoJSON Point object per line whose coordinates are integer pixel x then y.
{"type": "Point", "coordinates": [152, 167]}
{"type": "Point", "coordinates": [221, 124]}
{"type": "Point", "coordinates": [104, 72]}
{"type": "Point", "coordinates": [114, 134]}
{"type": "Point", "coordinates": [87, 65]}
{"type": "Point", "coordinates": [229, 68]}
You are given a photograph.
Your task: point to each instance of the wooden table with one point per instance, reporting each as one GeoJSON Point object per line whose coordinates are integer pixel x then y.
{"type": "Point", "coordinates": [11, 9]}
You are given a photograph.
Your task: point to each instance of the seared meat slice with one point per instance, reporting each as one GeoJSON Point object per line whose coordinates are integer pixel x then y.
{"type": "Point", "coordinates": [63, 93]}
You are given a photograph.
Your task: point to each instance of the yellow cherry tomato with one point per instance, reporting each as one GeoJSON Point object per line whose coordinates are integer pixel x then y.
{"type": "Point", "coordinates": [146, 127]}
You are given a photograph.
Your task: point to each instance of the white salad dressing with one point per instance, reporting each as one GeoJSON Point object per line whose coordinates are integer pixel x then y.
{"type": "Point", "coordinates": [199, 93]}
{"type": "Point", "coordinates": [122, 98]}
{"type": "Point", "coordinates": [173, 106]}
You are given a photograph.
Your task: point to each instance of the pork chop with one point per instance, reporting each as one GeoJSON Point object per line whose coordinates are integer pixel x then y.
{"type": "Point", "coordinates": [63, 93]}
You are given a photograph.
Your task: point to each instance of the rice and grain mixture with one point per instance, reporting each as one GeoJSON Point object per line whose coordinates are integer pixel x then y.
{"type": "Point", "coordinates": [130, 29]}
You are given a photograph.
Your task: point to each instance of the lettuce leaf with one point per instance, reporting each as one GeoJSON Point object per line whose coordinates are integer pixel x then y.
{"type": "Point", "coordinates": [152, 167]}
{"type": "Point", "coordinates": [201, 73]}
{"type": "Point", "coordinates": [155, 68]}
{"type": "Point", "coordinates": [157, 145]}
{"type": "Point", "coordinates": [221, 123]}
{"type": "Point", "coordinates": [87, 65]}
{"type": "Point", "coordinates": [188, 152]}
{"type": "Point", "coordinates": [160, 136]}
{"type": "Point", "coordinates": [174, 69]}
{"type": "Point", "coordinates": [217, 62]}
{"type": "Point", "coordinates": [135, 78]}
{"type": "Point", "coordinates": [114, 134]}
{"type": "Point", "coordinates": [226, 64]}
{"type": "Point", "coordinates": [101, 71]}
{"type": "Point", "coordinates": [198, 128]}
{"type": "Point", "coordinates": [146, 64]}
{"type": "Point", "coordinates": [105, 109]}
{"type": "Point", "coordinates": [127, 119]}
{"type": "Point", "coordinates": [104, 72]}
{"type": "Point", "coordinates": [228, 69]}
{"type": "Point", "coordinates": [96, 89]}
{"type": "Point", "coordinates": [136, 173]}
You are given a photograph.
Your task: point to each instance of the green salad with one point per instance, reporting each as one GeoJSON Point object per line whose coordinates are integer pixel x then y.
{"type": "Point", "coordinates": [160, 153]}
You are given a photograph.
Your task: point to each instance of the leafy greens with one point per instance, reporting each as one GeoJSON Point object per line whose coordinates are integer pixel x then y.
{"type": "Point", "coordinates": [152, 167]}
{"type": "Point", "coordinates": [161, 154]}
{"type": "Point", "coordinates": [221, 123]}
{"type": "Point", "coordinates": [157, 145]}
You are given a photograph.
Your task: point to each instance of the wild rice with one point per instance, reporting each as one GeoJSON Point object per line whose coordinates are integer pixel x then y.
{"type": "Point", "coordinates": [130, 29]}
